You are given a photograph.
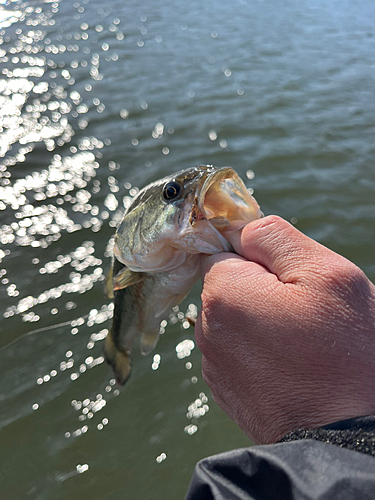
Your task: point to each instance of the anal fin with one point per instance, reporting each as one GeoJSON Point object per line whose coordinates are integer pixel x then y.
{"type": "Point", "coordinates": [149, 341]}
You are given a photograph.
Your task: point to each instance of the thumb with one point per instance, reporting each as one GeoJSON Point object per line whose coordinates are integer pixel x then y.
{"type": "Point", "coordinates": [279, 247]}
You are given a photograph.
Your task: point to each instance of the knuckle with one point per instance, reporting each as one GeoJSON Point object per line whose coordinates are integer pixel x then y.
{"type": "Point", "coordinates": [344, 271]}
{"type": "Point", "coordinates": [354, 274]}
{"type": "Point", "coordinates": [267, 228]}
{"type": "Point", "coordinates": [354, 280]}
{"type": "Point", "coordinates": [346, 279]}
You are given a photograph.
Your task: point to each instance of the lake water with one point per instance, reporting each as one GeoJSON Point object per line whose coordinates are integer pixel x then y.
{"type": "Point", "coordinates": [100, 98]}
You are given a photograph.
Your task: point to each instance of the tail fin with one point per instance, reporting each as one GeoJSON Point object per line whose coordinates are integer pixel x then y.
{"type": "Point", "coordinates": [119, 360]}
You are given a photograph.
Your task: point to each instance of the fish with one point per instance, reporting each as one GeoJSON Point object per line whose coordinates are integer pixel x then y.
{"type": "Point", "coordinates": [157, 247]}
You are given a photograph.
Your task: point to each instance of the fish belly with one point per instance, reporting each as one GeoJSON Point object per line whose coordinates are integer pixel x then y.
{"type": "Point", "coordinates": [139, 309]}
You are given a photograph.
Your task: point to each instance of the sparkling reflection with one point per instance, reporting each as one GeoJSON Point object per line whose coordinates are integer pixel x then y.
{"type": "Point", "coordinates": [49, 100]}
{"type": "Point", "coordinates": [98, 99]}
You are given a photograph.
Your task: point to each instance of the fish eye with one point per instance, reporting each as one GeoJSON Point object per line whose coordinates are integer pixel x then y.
{"type": "Point", "coordinates": [171, 191]}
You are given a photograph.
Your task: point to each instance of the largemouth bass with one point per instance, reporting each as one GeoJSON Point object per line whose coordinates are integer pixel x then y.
{"type": "Point", "coordinates": [156, 252]}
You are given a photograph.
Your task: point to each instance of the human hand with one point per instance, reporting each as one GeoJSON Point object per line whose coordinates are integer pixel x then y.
{"type": "Point", "coordinates": [287, 332]}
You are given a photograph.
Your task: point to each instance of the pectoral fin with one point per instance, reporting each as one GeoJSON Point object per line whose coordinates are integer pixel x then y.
{"type": "Point", "coordinates": [119, 360]}
{"type": "Point", "coordinates": [109, 285]}
{"type": "Point", "coordinates": [125, 278]}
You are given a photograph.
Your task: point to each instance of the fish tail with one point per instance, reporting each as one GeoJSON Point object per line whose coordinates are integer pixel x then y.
{"type": "Point", "coordinates": [118, 359]}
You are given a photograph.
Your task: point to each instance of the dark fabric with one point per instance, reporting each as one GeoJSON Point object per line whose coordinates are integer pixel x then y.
{"type": "Point", "coordinates": [366, 424]}
{"type": "Point", "coordinates": [355, 434]}
{"type": "Point", "coordinates": [304, 469]}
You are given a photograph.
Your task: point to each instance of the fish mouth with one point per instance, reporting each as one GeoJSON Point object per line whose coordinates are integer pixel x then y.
{"type": "Point", "coordinates": [223, 200]}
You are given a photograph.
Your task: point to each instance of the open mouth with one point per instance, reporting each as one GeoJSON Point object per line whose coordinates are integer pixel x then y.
{"type": "Point", "coordinates": [223, 200]}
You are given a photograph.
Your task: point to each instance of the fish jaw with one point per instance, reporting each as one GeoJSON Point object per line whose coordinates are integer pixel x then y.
{"type": "Point", "coordinates": [203, 237]}
{"type": "Point", "coordinates": [221, 202]}
{"type": "Point", "coordinates": [223, 196]}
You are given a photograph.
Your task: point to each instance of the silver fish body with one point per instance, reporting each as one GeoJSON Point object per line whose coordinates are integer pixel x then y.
{"type": "Point", "coordinates": [157, 247]}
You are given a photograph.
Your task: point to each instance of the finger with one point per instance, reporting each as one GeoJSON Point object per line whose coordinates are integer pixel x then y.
{"type": "Point", "coordinates": [278, 246]}
{"type": "Point", "coordinates": [226, 278]}
{"type": "Point", "coordinates": [229, 263]}
{"type": "Point", "coordinates": [231, 286]}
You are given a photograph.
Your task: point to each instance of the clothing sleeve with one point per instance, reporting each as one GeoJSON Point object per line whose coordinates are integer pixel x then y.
{"type": "Point", "coordinates": [301, 468]}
